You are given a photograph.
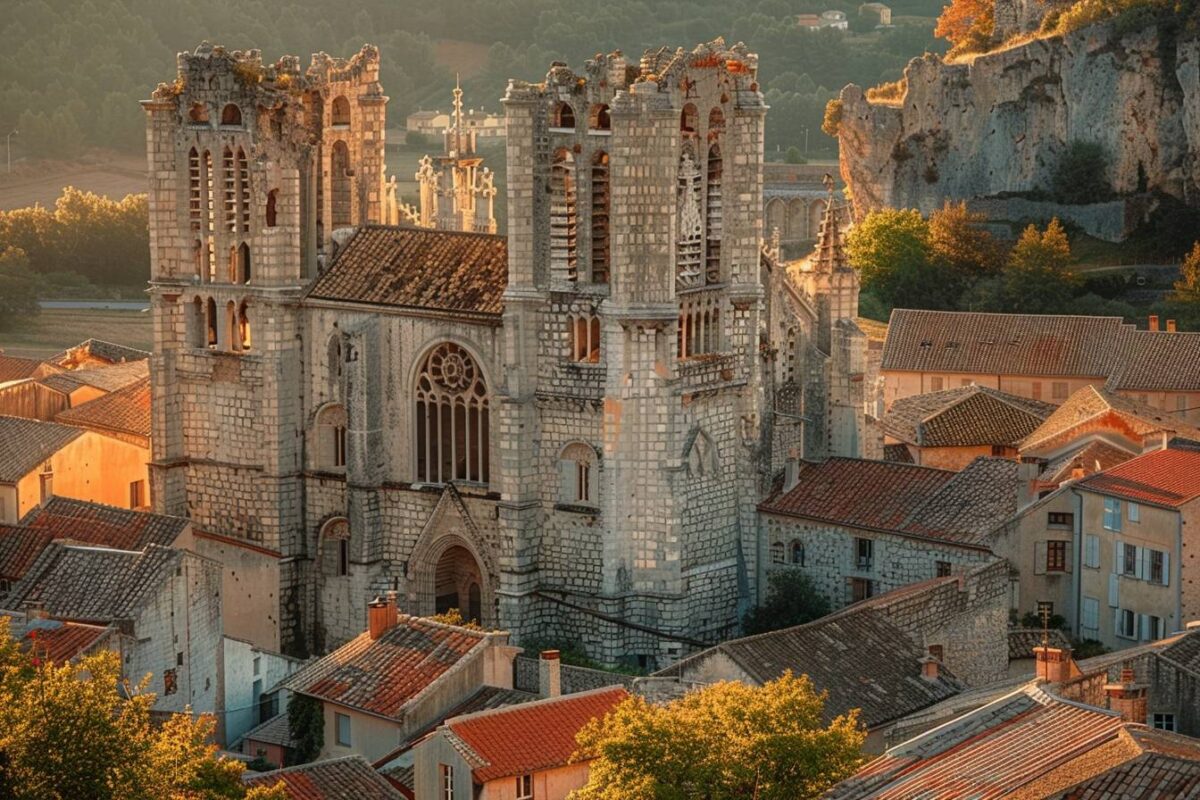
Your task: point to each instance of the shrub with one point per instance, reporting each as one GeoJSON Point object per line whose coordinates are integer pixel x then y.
{"type": "Point", "coordinates": [791, 600]}
{"type": "Point", "coordinates": [833, 117]}
{"type": "Point", "coordinates": [1082, 174]}
{"type": "Point", "coordinates": [890, 92]}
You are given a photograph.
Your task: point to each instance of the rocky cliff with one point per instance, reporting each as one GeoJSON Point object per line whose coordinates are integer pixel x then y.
{"type": "Point", "coordinates": [999, 122]}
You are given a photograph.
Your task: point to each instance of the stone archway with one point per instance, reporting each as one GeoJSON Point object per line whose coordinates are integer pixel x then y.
{"type": "Point", "coordinates": [457, 584]}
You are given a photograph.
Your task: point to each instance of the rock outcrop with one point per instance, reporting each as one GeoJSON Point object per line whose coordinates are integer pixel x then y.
{"type": "Point", "coordinates": [1000, 122]}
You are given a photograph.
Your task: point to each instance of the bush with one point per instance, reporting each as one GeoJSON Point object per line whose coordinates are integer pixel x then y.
{"type": "Point", "coordinates": [1082, 174]}
{"type": "Point", "coordinates": [891, 92]}
{"type": "Point", "coordinates": [793, 156]}
{"type": "Point", "coordinates": [19, 288]}
{"type": "Point", "coordinates": [791, 600]}
{"type": "Point", "coordinates": [833, 118]}
{"type": "Point", "coordinates": [416, 139]}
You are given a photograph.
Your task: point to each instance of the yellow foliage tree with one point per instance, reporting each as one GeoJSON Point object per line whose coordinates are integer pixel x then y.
{"type": "Point", "coordinates": [1187, 288]}
{"type": "Point", "coordinates": [968, 25]}
{"type": "Point", "coordinates": [724, 741]}
{"type": "Point", "coordinates": [73, 731]}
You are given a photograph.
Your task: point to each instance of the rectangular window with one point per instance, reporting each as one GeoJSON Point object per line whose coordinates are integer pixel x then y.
{"type": "Point", "coordinates": [1156, 566]}
{"type": "Point", "coordinates": [938, 651]}
{"type": "Point", "coordinates": [524, 787]}
{"type": "Point", "coordinates": [864, 550]}
{"type": "Point", "coordinates": [1163, 721]}
{"type": "Point", "coordinates": [1135, 512]}
{"type": "Point", "coordinates": [1037, 390]}
{"type": "Point", "coordinates": [343, 556]}
{"type": "Point", "coordinates": [860, 589]}
{"type": "Point", "coordinates": [343, 729]}
{"type": "Point", "coordinates": [1126, 624]}
{"type": "Point", "coordinates": [46, 484]}
{"type": "Point", "coordinates": [936, 384]}
{"type": "Point", "coordinates": [339, 446]}
{"type": "Point", "coordinates": [942, 568]}
{"type": "Point", "coordinates": [1112, 514]}
{"type": "Point", "coordinates": [1154, 628]}
{"type": "Point", "coordinates": [1058, 390]}
{"type": "Point", "coordinates": [137, 494]}
{"type": "Point", "coordinates": [447, 772]}
{"type": "Point", "coordinates": [1129, 560]}
{"type": "Point", "coordinates": [1060, 519]}
{"type": "Point", "coordinates": [1091, 551]}
{"type": "Point", "coordinates": [1056, 556]}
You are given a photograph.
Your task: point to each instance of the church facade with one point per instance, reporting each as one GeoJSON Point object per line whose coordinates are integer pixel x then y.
{"type": "Point", "coordinates": [564, 431]}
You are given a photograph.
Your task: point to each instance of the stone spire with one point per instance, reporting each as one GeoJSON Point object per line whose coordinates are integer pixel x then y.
{"type": "Point", "coordinates": [831, 252]}
{"type": "Point", "coordinates": [458, 128]}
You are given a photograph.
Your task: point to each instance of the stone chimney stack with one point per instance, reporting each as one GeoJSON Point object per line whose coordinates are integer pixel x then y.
{"type": "Point", "coordinates": [381, 615]}
{"type": "Point", "coordinates": [1127, 697]}
{"type": "Point", "coordinates": [1152, 322]}
{"type": "Point", "coordinates": [549, 674]}
{"type": "Point", "coordinates": [1054, 664]}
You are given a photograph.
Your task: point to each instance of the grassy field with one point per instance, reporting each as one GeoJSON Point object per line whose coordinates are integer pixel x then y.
{"type": "Point", "coordinates": [56, 329]}
{"type": "Point", "coordinates": [115, 175]}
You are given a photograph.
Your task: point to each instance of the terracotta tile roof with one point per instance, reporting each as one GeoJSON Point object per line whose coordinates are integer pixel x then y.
{"type": "Point", "coordinates": [1150, 776]}
{"type": "Point", "coordinates": [970, 415]}
{"type": "Point", "coordinates": [988, 753]}
{"type": "Point", "coordinates": [26, 443]}
{"type": "Point", "coordinates": [19, 547]}
{"type": "Point", "coordinates": [100, 350]}
{"type": "Point", "coordinates": [349, 778]}
{"type": "Point", "coordinates": [123, 411]}
{"type": "Point", "coordinates": [382, 675]}
{"type": "Point", "coordinates": [530, 736]}
{"type": "Point", "coordinates": [1168, 477]}
{"type": "Point", "coordinates": [110, 378]}
{"type": "Point", "coordinates": [59, 642]}
{"type": "Point", "coordinates": [273, 731]}
{"type": "Point", "coordinates": [93, 584]}
{"type": "Point", "coordinates": [417, 268]}
{"type": "Point", "coordinates": [898, 453]}
{"type": "Point", "coordinates": [1090, 408]}
{"type": "Point", "coordinates": [1157, 361]}
{"type": "Point", "coordinates": [15, 369]}
{"type": "Point", "coordinates": [1000, 344]}
{"type": "Point", "coordinates": [106, 526]}
{"type": "Point", "coordinates": [901, 498]}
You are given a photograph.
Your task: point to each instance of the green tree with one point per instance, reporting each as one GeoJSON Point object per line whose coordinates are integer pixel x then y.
{"type": "Point", "coordinates": [793, 156]}
{"type": "Point", "coordinates": [1039, 278]}
{"type": "Point", "coordinates": [724, 741]}
{"type": "Point", "coordinates": [306, 723]}
{"type": "Point", "coordinates": [19, 288]}
{"type": "Point", "coordinates": [1082, 174]}
{"type": "Point", "coordinates": [791, 600]}
{"type": "Point", "coordinates": [893, 253]}
{"type": "Point", "coordinates": [69, 731]}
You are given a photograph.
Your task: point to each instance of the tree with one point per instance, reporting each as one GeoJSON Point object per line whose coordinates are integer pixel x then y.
{"type": "Point", "coordinates": [957, 238]}
{"type": "Point", "coordinates": [891, 249]}
{"type": "Point", "coordinates": [791, 600]}
{"type": "Point", "coordinates": [968, 25]}
{"type": "Point", "coordinates": [793, 156]}
{"type": "Point", "coordinates": [1187, 288]}
{"type": "Point", "coordinates": [1039, 278]}
{"type": "Point", "coordinates": [1081, 175]}
{"type": "Point", "coordinates": [68, 731]}
{"type": "Point", "coordinates": [724, 741]}
{"type": "Point", "coordinates": [19, 288]}
{"type": "Point", "coordinates": [306, 724]}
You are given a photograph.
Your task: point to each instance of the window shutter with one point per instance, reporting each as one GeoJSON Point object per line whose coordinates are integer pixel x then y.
{"type": "Point", "coordinates": [1117, 622]}
{"type": "Point", "coordinates": [1161, 625]}
{"type": "Point", "coordinates": [1118, 557]}
{"type": "Point", "coordinates": [1067, 550]}
{"type": "Point", "coordinates": [1166, 576]}
{"type": "Point", "coordinates": [1143, 564]}
{"type": "Point", "coordinates": [1114, 591]}
{"type": "Point", "coordinates": [1039, 558]}
{"type": "Point", "coordinates": [1143, 629]}
{"type": "Point", "coordinates": [1092, 551]}
{"type": "Point", "coordinates": [849, 596]}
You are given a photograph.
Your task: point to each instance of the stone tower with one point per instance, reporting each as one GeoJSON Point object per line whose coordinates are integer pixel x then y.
{"type": "Point", "coordinates": [254, 168]}
{"type": "Point", "coordinates": [632, 319]}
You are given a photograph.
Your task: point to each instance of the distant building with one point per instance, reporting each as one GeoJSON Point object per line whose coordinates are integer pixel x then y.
{"type": "Point", "coordinates": [827, 19]}
{"type": "Point", "coordinates": [878, 13]}
{"type": "Point", "coordinates": [795, 199]}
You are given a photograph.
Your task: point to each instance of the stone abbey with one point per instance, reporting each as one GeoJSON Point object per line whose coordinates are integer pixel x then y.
{"type": "Point", "coordinates": [564, 431]}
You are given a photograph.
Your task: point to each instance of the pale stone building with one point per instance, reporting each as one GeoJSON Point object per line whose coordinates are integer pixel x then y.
{"type": "Point", "coordinates": [564, 432]}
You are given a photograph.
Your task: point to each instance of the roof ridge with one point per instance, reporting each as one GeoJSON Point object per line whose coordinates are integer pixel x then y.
{"type": "Point", "coordinates": [309, 765]}
{"type": "Point", "coordinates": [539, 703]}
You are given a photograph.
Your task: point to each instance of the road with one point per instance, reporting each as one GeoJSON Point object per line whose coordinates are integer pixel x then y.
{"type": "Point", "coordinates": [101, 305]}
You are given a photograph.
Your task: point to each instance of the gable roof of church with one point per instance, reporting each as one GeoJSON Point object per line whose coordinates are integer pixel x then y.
{"type": "Point", "coordinates": [449, 271]}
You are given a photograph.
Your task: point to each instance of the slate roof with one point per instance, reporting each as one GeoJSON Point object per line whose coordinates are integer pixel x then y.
{"type": "Point", "coordinates": [1089, 406]}
{"type": "Point", "coordinates": [98, 348]}
{"type": "Point", "coordinates": [991, 752]}
{"type": "Point", "coordinates": [93, 584]}
{"type": "Point", "coordinates": [901, 498]}
{"type": "Point", "coordinates": [19, 547]}
{"type": "Point", "coordinates": [1184, 653]}
{"type": "Point", "coordinates": [1087, 456]}
{"type": "Point", "coordinates": [1000, 344]}
{"type": "Point", "coordinates": [1022, 641]}
{"type": "Point", "coordinates": [1157, 361]}
{"type": "Point", "coordinates": [13, 368]}
{"type": "Point", "coordinates": [107, 526]}
{"type": "Point", "coordinates": [273, 731]}
{"type": "Point", "coordinates": [381, 676]}
{"type": "Point", "coordinates": [26, 443]}
{"type": "Point", "coordinates": [348, 778]}
{"type": "Point", "coordinates": [418, 268]}
{"type": "Point", "coordinates": [123, 411]}
{"type": "Point", "coordinates": [530, 736]}
{"type": "Point", "coordinates": [1169, 477]}
{"type": "Point", "coordinates": [970, 415]}
{"type": "Point", "coordinates": [56, 641]}
{"type": "Point", "coordinates": [898, 453]}
{"type": "Point", "coordinates": [856, 655]}
{"type": "Point", "coordinates": [1150, 776]}
{"type": "Point", "coordinates": [109, 378]}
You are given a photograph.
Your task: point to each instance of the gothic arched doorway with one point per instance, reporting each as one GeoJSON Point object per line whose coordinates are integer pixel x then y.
{"type": "Point", "coordinates": [457, 582]}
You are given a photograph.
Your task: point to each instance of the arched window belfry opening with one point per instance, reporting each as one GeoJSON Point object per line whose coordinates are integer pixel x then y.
{"type": "Point", "coordinates": [585, 338]}
{"type": "Point", "coordinates": [797, 553]}
{"type": "Point", "coordinates": [689, 119]}
{"type": "Point", "coordinates": [335, 355]}
{"type": "Point", "coordinates": [244, 335]}
{"type": "Point", "coordinates": [689, 247]}
{"type": "Point", "coordinates": [712, 217]}
{"type": "Point", "coordinates": [331, 437]}
{"type": "Point", "coordinates": [194, 193]}
{"type": "Point", "coordinates": [335, 548]}
{"type": "Point", "coordinates": [231, 114]}
{"type": "Point", "coordinates": [341, 111]}
{"type": "Point", "coordinates": [564, 117]}
{"type": "Point", "coordinates": [233, 337]}
{"type": "Point", "coordinates": [210, 323]}
{"type": "Point", "coordinates": [340, 178]}
{"type": "Point", "coordinates": [599, 119]}
{"type": "Point", "coordinates": [716, 122]}
{"type": "Point", "coordinates": [563, 254]}
{"type": "Point", "coordinates": [457, 583]}
{"type": "Point", "coordinates": [272, 207]}
{"type": "Point", "coordinates": [232, 265]}
{"type": "Point", "coordinates": [199, 335]}
{"type": "Point", "coordinates": [198, 114]}
{"type": "Point", "coordinates": [778, 554]}
{"type": "Point", "coordinates": [243, 191]}
{"type": "Point", "coordinates": [230, 190]}
{"type": "Point", "coordinates": [601, 202]}
{"type": "Point", "coordinates": [243, 263]}
{"type": "Point", "coordinates": [577, 474]}
{"type": "Point", "coordinates": [451, 418]}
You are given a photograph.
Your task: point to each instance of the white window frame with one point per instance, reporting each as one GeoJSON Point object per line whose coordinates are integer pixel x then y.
{"type": "Point", "coordinates": [525, 786]}
{"type": "Point", "coordinates": [447, 776]}
{"type": "Point", "coordinates": [1112, 514]}
{"type": "Point", "coordinates": [1121, 630]}
{"type": "Point", "coordinates": [337, 729]}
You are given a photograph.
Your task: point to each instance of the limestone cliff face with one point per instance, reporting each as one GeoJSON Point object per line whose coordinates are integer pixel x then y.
{"type": "Point", "coordinates": [1000, 123]}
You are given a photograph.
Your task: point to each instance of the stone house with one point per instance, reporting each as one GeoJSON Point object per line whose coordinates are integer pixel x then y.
{"type": "Point", "coordinates": [1039, 545]}
{"type": "Point", "coordinates": [515, 753]}
{"type": "Point", "coordinates": [345, 777]}
{"type": "Point", "coordinates": [396, 678]}
{"type": "Point", "coordinates": [250, 677]}
{"type": "Point", "coordinates": [860, 528]}
{"type": "Point", "coordinates": [951, 428]}
{"type": "Point", "coordinates": [563, 432]}
{"type": "Point", "coordinates": [41, 459]}
{"type": "Point", "coordinates": [165, 603]}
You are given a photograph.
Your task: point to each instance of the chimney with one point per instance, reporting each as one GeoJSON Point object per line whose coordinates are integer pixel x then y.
{"type": "Point", "coordinates": [1194, 625]}
{"type": "Point", "coordinates": [381, 615]}
{"type": "Point", "coordinates": [1078, 472]}
{"type": "Point", "coordinates": [931, 668]}
{"type": "Point", "coordinates": [1054, 664]}
{"type": "Point", "coordinates": [1153, 322]}
{"type": "Point", "coordinates": [549, 674]}
{"type": "Point", "coordinates": [1170, 326]}
{"type": "Point", "coordinates": [791, 471]}
{"type": "Point", "coordinates": [1127, 697]}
